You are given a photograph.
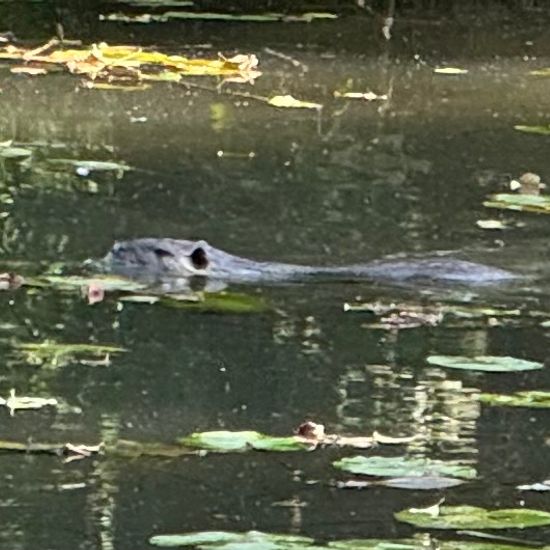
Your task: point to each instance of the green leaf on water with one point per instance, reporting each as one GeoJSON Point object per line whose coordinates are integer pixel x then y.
{"type": "Point", "coordinates": [472, 517]}
{"type": "Point", "coordinates": [14, 152]}
{"type": "Point", "coordinates": [226, 540]}
{"type": "Point", "coordinates": [230, 442]}
{"type": "Point", "coordinates": [227, 302]}
{"type": "Point", "coordinates": [413, 483]}
{"type": "Point", "coordinates": [399, 466]}
{"type": "Point", "coordinates": [486, 363]}
{"type": "Point", "coordinates": [541, 130]}
{"type": "Point", "coordinates": [534, 399]}
{"type": "Point", "coordinates": [522, 203]}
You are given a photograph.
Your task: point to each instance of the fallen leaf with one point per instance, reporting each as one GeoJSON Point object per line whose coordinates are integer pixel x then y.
{"type": "Point", "coordinates": [450, 70]}
{"type": "Point", "coordinates": [28, 70]}
{"type": "Point", "coordinates": [289, 102]}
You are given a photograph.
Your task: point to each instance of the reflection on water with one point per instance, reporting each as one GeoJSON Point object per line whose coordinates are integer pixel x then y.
{"type": "Point", "coordinates": [357, 181]}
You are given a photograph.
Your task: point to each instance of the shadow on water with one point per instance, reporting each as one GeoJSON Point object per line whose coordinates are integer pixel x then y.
{"type": "Point", "coordinates": [356, 181]}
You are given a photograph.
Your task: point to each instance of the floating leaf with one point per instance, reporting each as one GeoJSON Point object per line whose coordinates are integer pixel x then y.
{"type": "Point", "coordinates": [89, 84]}
{"type": "Point", "coordinates": [541, 130]}
{"type": "Point", "coordinates": [491, 224]}
{"type": "Point", "coordinates": [450, 70]}
{"type": "Point", "coordinates": [403, 467]}
{"type": "Point", "coordinates": [28, 70]}
{"type": "Point", "coordinates": [307, 17]}
{"type": "Point", "coordinates": [227, 540]}
{"type": "Point", "coordinates": [541, 486]}
{"type": "Point", "coordinates": [287, 101]}
{"type": "Point", "coordinates": [93, 165]}
{"type": "Point", "coordinates": [486, 363]}
{"type": "Point", "coordinates": [472, 517]}
{"type": "Point", "coordinates": [534, 399]}
{"type": "Point", "coordinates": [389, 440]}
{"type": "Point", "coordinates": [226, 442]}
{"type": "Point", "coordinates": [541, 72]}
{"type": "Point", "coordinates": [414, 483]}
{"type": "Point", "coordinates": [367, 96]}
{"type": "Point", "coordinates": [523, 203]}
{"type": "Point", "coordinates": [229, 302]}
{"type": "Point", "coordinates": [14, 152]}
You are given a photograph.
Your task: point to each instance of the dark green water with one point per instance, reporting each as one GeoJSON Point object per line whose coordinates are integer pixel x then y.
{"type": "Point", "coordinates": [358, 181]}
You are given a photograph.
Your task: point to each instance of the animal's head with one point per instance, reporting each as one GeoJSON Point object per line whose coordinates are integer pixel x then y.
{"type": "Point", "coordinates": [185, 258]}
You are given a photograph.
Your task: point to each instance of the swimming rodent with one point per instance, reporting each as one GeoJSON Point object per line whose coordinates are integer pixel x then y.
{"type": "Point", "coordinates": [164, 257]}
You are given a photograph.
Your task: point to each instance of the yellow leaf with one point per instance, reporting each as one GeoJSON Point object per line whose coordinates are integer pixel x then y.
{"type": "Point", "coordinates": [450, 70]}
{"type": "Point", "coordinates": [287, 101]}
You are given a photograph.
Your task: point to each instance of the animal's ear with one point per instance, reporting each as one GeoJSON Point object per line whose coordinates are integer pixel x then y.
{"type": "Point", "coordinates": [199, 257]}
{"type": "Point", "coordinates": [162, 253]}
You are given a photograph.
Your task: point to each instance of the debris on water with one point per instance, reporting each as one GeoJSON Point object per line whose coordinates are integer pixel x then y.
{"type": "Point", "coordinates": [95, 293]}
{"type": "Point", "coordinates": [10, 281]}
{"type": "Point", "coordinates": [290, 102]}
{"type": "Point", "coordinates": [491, 224]}
{"type": "Point", "coordinates": [542, 486]}
{"type": "Point", "coordinates": [16, 403]}
{"type": "Point", "coordinates": [367, 96]}
{"type": "Point", "coordinates": [450, 70]}
{"type": "Point", "coordinates": [123, 67]}
{"type": "Point", "coordinates": [528, 184]}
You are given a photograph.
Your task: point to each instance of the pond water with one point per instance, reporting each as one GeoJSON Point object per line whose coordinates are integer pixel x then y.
{"type": "Point", "coordinates": [355, 181]}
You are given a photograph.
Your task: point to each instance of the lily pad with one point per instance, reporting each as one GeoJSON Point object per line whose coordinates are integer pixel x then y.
{"type": "Point", "coordinates": [229, 442]}
{"type": "Point", "coordinates": [534, 399]}
{"type": "Point", "coordinates": [473, 517]}
{"type": "Point", "coordinates": [413, 483]}
{"type": "Point", "coordinates": [486, 363]}
{"type": "Point", "coordinates": [518, 202]}
{"type": "Point", "coordinates": [403, 467]}
{"type": "Point", "coordinates": [227, 540]}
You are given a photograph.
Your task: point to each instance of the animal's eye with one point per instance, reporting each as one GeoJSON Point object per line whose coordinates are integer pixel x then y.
{"type": "Point", "coordinates": [163, 253]}
{"type": "Point", "coordinates": [199, 259]}
{"type": "Point", "coordinates": [119, 249]}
